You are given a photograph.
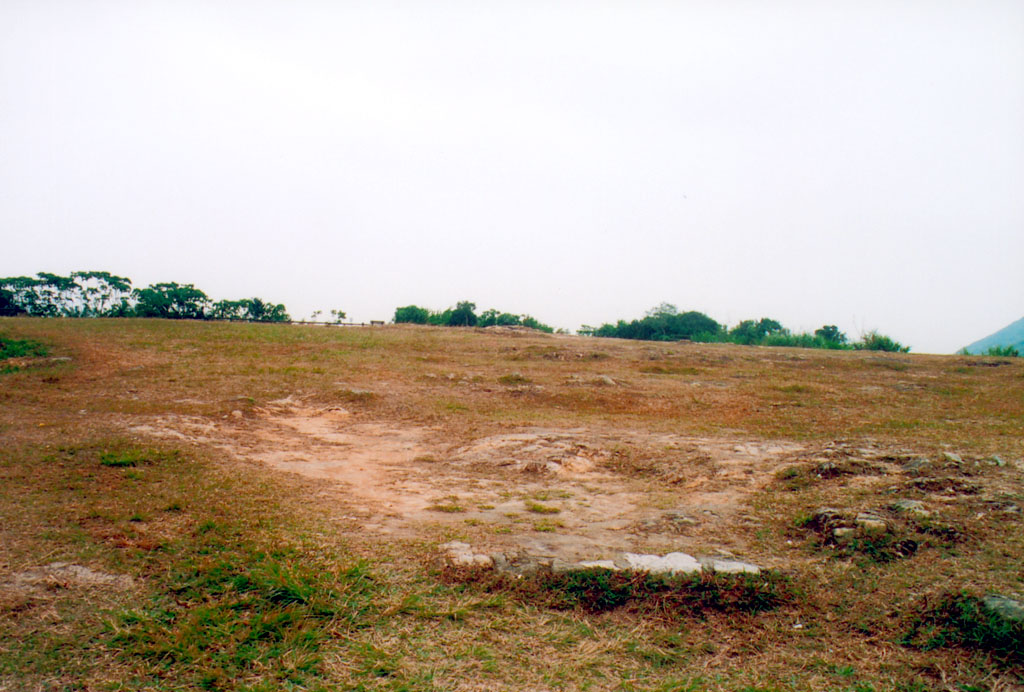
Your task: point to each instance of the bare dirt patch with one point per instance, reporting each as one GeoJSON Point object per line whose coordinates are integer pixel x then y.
{"type": "Point", "coordinates": [569, 493]}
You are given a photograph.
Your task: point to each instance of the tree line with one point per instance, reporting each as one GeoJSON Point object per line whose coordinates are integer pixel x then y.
{"type": "Point", "coordinates": [102, 294]}
{"type": "Point", "coordinates": [666, 323]}
{"type": "Point", "coordinates": [464, 315]}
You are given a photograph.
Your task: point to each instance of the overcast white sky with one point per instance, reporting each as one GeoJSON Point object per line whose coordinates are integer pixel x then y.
{"type": "Point", "coordinates": [856, 163]}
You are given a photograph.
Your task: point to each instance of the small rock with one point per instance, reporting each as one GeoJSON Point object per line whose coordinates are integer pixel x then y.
{"type": "Point", "coordinates": [843, 534]}
{"type": "Point", "coordinates": [604, 380]}
{"type": "Point", "coordinates": [598, 564]}
{"type": "Point", "coordinates": [917, 465]}
{"type": "Point", "coordinates": [914, 508]}
{"type": "Point", "coordinates": [236, 414]}
{"type": "Point", "coordinates": [952, 458]}
{"type": "Point", "coordinates": [871, 524]}
{"type": "Point", "coordinates": [824, 517]}
{"type": "Point", "coordinates": [680, 518]}
{"type": "Point", "coordinates": [1009, 609]}
{"type": "Point", "coordinates": [460, 554]}
{"type": "Point", "coordinates": [997, 461]}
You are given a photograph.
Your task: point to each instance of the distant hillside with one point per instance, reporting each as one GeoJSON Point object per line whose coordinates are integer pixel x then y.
{"type": "Point", "coordinates": [1011, 335]}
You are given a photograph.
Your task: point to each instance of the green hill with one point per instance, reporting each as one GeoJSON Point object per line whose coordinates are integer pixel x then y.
{"type": "Point", "coordinates": [1010, 335]}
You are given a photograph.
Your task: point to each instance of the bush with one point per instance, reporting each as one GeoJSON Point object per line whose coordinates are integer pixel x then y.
{"type": "Point", "coordinates": [411, 314]}
{"type": "Point", "coordinates": [873, 341]}
{"type": "Point", "coordinates": [1003, 352]}
{"type": "Point", "coordinates": [663, 323]}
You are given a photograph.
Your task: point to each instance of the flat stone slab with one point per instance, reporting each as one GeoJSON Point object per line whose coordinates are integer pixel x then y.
{"type": "Point", "coordinates": [460, 554]}
{"type": "Point", "coordinates": [729, 566]}
{"type": "Point", "coordinates": [672, 563]}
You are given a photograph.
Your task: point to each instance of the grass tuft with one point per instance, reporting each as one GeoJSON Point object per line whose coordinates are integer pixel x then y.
{"type": "Point", "coordinates": [966, 620]}
{"type": "Point", "coordinates": [601, 590]}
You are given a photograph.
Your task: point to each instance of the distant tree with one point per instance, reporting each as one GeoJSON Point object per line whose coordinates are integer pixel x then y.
{"type": "Point", "coordinates": [338, 315]}
{"type": "Point", "coordinates": [316, 314]}
{"type": "Point", "coordinates": [411, 314]}
{"type": "Point", "coordinates": [492, 318]}
{"type": "Point", "coordinates": [259, 310]}
{"type": "Point", "coordinates": [532, 323]}
{"type": "Point", "coordinates": [227, 310]}
{"type": "Point", "coordinates": [754, 332]}
{"type": "Point", "coordinates": [463, 315]}
{"type": "Point", "coordinates": [45, 295]}
{"type": "Point", "coordinates": [102, 294]}
{"type": "Point", "coordinates": [663, 323]}
{"type": "Point", "coordinates": [662, 309]}
{"type": "Point", "coordinates": [1003, 351]}
{"type": "Point", "coordinates": [171, 301]}
{"type": "Point", "coordinates": [873, 341]}
{"type": "Point", "coordinates": [7, 304]}
{"type": "Point", "coordinates": [830, 333]}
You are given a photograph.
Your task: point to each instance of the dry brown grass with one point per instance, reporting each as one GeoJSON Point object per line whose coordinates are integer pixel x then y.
{"type": "Point", "coordinates": [839, 632]}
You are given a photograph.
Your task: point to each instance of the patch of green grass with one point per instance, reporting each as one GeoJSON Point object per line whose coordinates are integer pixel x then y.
{"type": "Point", "coordinates": [133, 456]}
{"type": "Point", "coordinates": [20, 348]}
{"type": "Point", "coordinates": [669, 370]}
{"type": "Point", "coordinates": [450, 505]}
{"type": "Point", "coordinates": [966, 620]}
{"type": "Point", "coordinates": [514, 379]}
{"type": "Point", "coordinates": [538, 508]}
{"type": "Point", "coordinates": [231, 610]}
{"type": "Point", "coordinates": [600, 590]}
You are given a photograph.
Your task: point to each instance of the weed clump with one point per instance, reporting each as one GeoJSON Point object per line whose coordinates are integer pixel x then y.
{"type": "Point", "coordinates": [993, 624]}
{"type": "Point", "coordinates": [600, 590]}
{"type": "Point", "coordinates": [237, 611]}
{"type": "Point", "coordinates": [133, 456]}
{"type": "Point", "coordinates": [18, 348]}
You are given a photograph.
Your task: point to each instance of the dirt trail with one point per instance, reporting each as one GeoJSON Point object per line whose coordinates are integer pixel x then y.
{"type": "Point", "coordinates": [566, 493]}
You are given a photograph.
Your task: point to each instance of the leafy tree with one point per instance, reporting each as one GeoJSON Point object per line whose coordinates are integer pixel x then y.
{"type": "Point", "coordinates": [492, 318]}
{"type": "Point", "coordinates": [29, 296]}
{"type": "Point", "coordinates": [8, 306]}
{"type": "Point", "coordinates": [662, 309]}
{"type": "Point", "coordinates": [102, 294]}
{"type": "Point", "coordinates": [249, 309]}
{"type": "Point", "coordinates": [463, 315]}
{"type": "Point", "coordinates": [1003, 351]}
{"type": "Point", "coordinates": [751, 332]}
{"type": "Point", "coordinates": [171, 301]}
{"type": "Point", "coordinates": [532, 323]}
{"type": "Point", "coordinates": [663, 323]}
{"type": "Point", "coordinates": [227, 310]}
{"type": "Point", "coordinates": [258, 310]}
{"type": "Point", "coordinates": [411, 314]}
{"type": "Point", "coordinates": [830, 334]}
{"type": "Point", "coordinates": [873, 341]}
{"type": "Point", "coordinates": [338, 315]}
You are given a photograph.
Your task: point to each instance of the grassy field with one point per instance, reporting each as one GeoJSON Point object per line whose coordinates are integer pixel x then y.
{"type": "Point", "coordinates": [164, 524]}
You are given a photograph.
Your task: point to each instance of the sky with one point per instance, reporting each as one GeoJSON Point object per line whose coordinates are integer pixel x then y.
{"type": "Point", "coordinates": [850, 163]}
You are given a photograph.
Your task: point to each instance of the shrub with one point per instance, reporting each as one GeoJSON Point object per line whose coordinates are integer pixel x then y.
{"type": "Point", "coordinates": [1003, 351]}
{"type": "Point", "coordinates": [873, 341]}
{"type": "Point", "coordinates": [411, 314]}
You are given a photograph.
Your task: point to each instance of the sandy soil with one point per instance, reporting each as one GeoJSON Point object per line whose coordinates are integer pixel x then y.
{"type": "Point", "coordinates": [560, 493]}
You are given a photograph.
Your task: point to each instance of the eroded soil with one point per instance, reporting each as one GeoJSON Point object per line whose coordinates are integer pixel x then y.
{"type": "Point", "coordinates": [571, 493]}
